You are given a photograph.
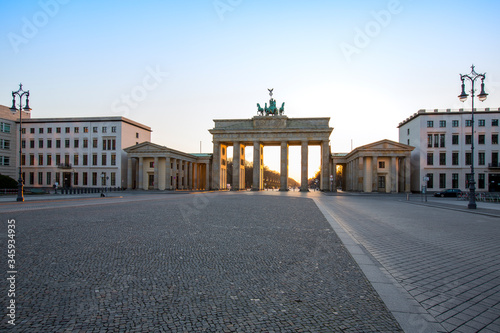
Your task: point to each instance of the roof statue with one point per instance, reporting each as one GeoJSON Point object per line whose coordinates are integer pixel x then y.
{"type": "Point", "coordinates": [272, 109]}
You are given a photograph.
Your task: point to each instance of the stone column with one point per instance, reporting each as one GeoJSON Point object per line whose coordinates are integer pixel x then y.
{"type": "Point", "coordinates": [407, 173]}
{"type": "Point", "coordinates": [129, 173]}
{"type": "Point", "coordinates": [174, 174]}
{"type": "Point", "coordinates": [156, 178]}
{"type": "Point", "coordinates": [375, 174]}
{"type": "Point", "coordinates": [236, 166]}
{"type": "Point", "coordinates": [207, 176]}
{"type": "Point", "coordinates": [168, 174]}
{"type": "Point", "coordinates": [304, 187]}
{"type": "Point", "coordinates": [191, 175]}
{"type": "Point", "coordinates": [140, 171]}
{"type": "Point", "coordinates": [195, 176]}
{"type": "Point", "coordinates": [284, 167]}
{"type": "Point", "coordinates": [367, 173]}
{"type": "Point", "coordinates": [184, 174]}
{"type": "Point", "coordinates": [325, 163]}
{"type": "Point", "coordinates": [393, 175]}
{"type": "Point", "coordinates": [257, 166]}
{"type": "Point", "coordinates": [216, 166]}
{"type": "Point", "coordinates": [333, 184]}
{"type": "Point", "coordinates": [360, 174]}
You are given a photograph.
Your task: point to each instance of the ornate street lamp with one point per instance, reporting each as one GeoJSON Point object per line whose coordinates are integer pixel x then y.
{"type": "Point", "coordinates": [472, 77]}
{"type": "Point", "coordinates": [26, 109]}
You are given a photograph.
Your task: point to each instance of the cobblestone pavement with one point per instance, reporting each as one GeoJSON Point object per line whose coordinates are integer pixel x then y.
{"type": "Point", "coordinates": [188, 263]}
{"type": "Point", "coordinates": [447, 260]}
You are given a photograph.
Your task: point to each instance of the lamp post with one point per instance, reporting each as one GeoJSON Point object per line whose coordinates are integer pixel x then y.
{"type": "Point", "coordinates": [472, 77]}
{"type": "Point", "coordinates": [20, 93]}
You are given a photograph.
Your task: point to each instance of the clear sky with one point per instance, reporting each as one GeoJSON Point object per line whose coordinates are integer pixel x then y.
{"type": "Point", "coordinates": [177, 65]}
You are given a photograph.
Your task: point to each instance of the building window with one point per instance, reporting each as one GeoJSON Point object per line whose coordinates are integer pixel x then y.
{"type": "Point", "coordinates": [468, 178]}
{"type": "Point", "coordinates": [442, 158]}
{"type": "Point", "coordinates": [494, 122]}
{"type": "Point", "coordinates": [442, 180]}
{"type": "Point", "coordinates": [48, 178]}
{"type": "Point", "coordinates": [58, 159]}
{"type": "Point", "coordinates": [58, 143]}
{"type": "Point", "coordinates": [436, 140]}
{"type": "Point", "coordinates": [104, 159]}
{"type": "Point", "coordinates": [480, 139]}
{"type": "Point", "coordinates": [49, 159]}
{"type": "Point", "coordinates": [468, 123]}
{"type": "Point", "coordinates": [381, 165]}
{"type": "Point", "coordinates": [84, 179]}
{"type": "Point", "coordinates": [4, 128]}
{"type": "Point", "coordinates": [94, 129]}
{"type": "Point", "coordinates": [94, 178]}
{"type": "Point", "coordinates": [49, 143]}
{"type": "Point", "coordinates": [494, 158]}
{"type": "Point", "coordinates": [381, 182]}
{"type": "Point", "coordinates": [49, 130]}
{"type": "Point", "coordinates": [104, 129]}
{"type": "Point", "coordinates": [454, 180]}
{"type": "Point", "coordinates": [482, 122]}
{"type": "Point", "coordinates": [66, 130]}
{"type": "Point", "coordinates": [32, 131]}
{"type": "Point", "coordinates": [103, 179]}
{"type": "Point", "coordinates": [442, 123]}
{"type": "Point", "coordinates": [454, 139]}
{"type": "Point", "coordinates": [5, 160]}
{"type": "Point", "coordinates": [23, 130]}
{"type": "Point", "coordinates": [5, 144]}
{"type": "Point", "coordinates": [85, 130]}
{"type": "Point", "coordinates": [77, 130]}
{"type": "Point", "coordinates": [40, 178]}
{"type": "Point", "coordinates": [151, 165]}
{"type": "Point", "coordinates": [454, 158]}
{"type": "Point", "coordinates": [75, 160]}
{"type": "Point", "coordinates": [75, 178]}
{"type": "Point", "coordinates": [104, 144]}
{"type": "Point", "coordinates": [85, 159]}
{"type": "Point", "coordinates": [481, 160]}
{"type": "Point", "coordinates": [40, 159]}
{"type": "Point", "coordinates": [94, 143]}
{"type": "Point", "coordinates": [113, 159]}
{"type": "Point", "coordinates": [430, 159]}
{"type": "Point", "coordinates": [113, 129]}
{"type": "Point", "coordinates": [76, 143]}
{"type": "Point", "coordinates": [23, 144]}
{"type": "Point", "coordinates": [58, 129]}
{"type": "Point", "coordinates": [23, 159]}
{"type": "Point", "coordinates": [40, 130]}
{"type": "Point", "coordinates": [94, 159]}
{"type": "Point", "coordinates": [430, 182]}
{"type": "Point", "coordinates": [85, 143]}
{"type": "Point", "coordinates": [113, 179]}
{"type": "Point", "coordinates": [468, 158]}
{"type": "Point", "coordinates": [430, 123]}
{"type": "Point", "coordinates": [66, 159]}
{"type": "Point", "coordinates": [468, 139]}
{"type": "Point", "coordinates": [32, 178]}
{"type": "Point", "coordinates": [481, 181]}
{"type": "Point", "coordinates": [32, 159]}
{"type": "Point", "coordinates": [494, 139]}
{"type": "Point", "coordinates": [66, 143]}
{"type": "Point", "coordinates": [442, 140]}
{"type": "Point", "coordinates": [32, 144]}
{"type": "Point", "coordinates": [429, 140]}
{"type": "Point", "coordinates": [58, 178]}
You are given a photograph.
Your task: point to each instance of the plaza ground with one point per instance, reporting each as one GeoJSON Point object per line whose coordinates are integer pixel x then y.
{"type": "Point", "coordinates": [253, 262]}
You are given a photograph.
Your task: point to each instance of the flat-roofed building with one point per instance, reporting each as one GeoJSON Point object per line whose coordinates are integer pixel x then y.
{"type": "Point", "coordinates": [79, 152]}
{"type": "Point", "coordinates": [442, 155]}
{"type": "Point", "coordinates": [9, 152]}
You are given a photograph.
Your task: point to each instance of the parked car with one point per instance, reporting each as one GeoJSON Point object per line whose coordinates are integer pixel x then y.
{"type": "Point", "coordinates": [451, 192]}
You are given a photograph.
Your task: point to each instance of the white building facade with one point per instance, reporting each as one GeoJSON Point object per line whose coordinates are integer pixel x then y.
{"type": "Point", "coordinates": [442, 141]}
{"type": "Point", "coordinates": [78, 152]}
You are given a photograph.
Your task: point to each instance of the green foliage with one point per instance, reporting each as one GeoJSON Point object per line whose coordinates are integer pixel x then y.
{"type": "Point", "coordinates": [7, 182]}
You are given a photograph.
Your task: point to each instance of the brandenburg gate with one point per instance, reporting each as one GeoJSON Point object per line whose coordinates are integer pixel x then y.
{"type": "Point", "coordinates": [272, 129]}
